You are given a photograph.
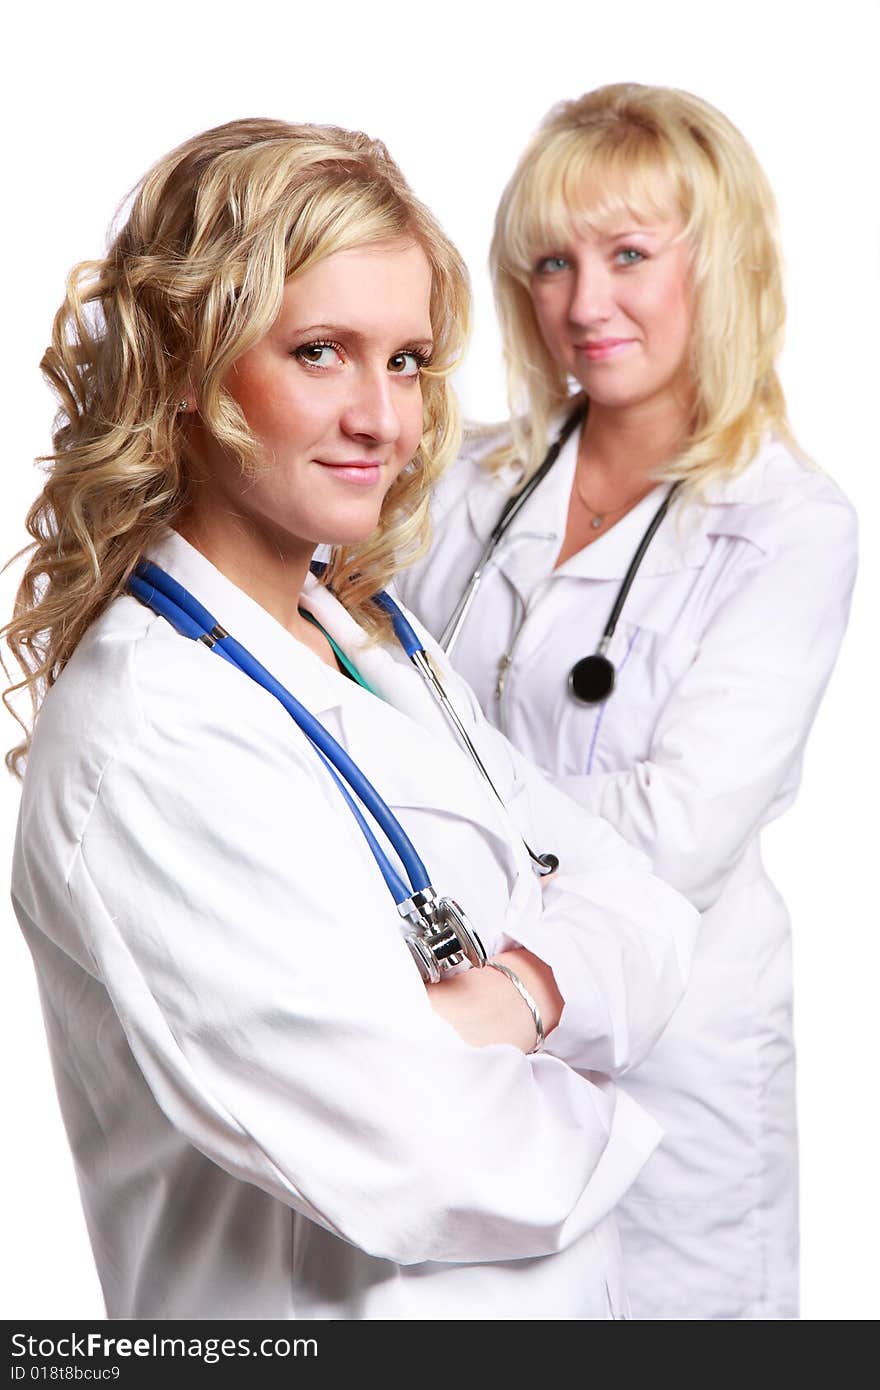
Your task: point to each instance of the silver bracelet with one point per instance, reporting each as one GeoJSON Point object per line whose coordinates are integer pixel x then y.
{"type": "Point", "coordinates": [529, 1002]}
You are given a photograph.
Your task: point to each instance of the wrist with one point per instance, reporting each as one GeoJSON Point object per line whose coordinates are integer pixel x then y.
{"type": "Point", "coordinates": [539, 980]}
{"type": "Point", "coordinates": [528, 1000]}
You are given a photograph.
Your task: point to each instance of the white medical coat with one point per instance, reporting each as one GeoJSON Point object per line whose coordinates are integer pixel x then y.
{"type": "Point", "coordinates": [723, 651]}
{"type": "Point", "coordinates": [267, 1118]}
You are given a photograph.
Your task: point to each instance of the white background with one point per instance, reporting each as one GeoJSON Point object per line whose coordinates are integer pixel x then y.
{"type": "Point", "coordinates": [96, 92]}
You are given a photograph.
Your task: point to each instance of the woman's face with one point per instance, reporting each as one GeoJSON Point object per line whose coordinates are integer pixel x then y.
{"type": "Point", "coordinates": [333, 395]}
{"type": "Point", "coordinates": [615, 311]}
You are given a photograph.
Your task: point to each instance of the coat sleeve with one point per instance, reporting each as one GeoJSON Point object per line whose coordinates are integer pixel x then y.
{"type": "Point", "coordinates": [618, 939]}
{"type": "Point", "coordinates": [253, 956]}
{"type": "Point", "coordinates": [725, 755]}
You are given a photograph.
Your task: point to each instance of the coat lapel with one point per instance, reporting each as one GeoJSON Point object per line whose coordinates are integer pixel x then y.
{"type": "Point", "coordinates": [430, 769]}
{"type": "Point", "coordinates": [313, 683]}
{"type": "Point", "coordinates": [385, 667]}
{"type": "Point", "coordinates": [527, 553]}
{"type": "Point", "coordinates": [401, 742]}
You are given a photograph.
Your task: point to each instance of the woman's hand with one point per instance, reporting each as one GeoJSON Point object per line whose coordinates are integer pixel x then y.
{"type": "Point", "coordinates": [483, 1007]}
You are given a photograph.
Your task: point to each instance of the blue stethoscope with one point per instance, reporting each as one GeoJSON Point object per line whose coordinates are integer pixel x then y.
{"type": "Point", "coordinates": [441, 935]}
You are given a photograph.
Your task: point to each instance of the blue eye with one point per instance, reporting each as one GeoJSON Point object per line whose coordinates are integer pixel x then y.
{"type": "Point", "coordinates": [408, 363]}
{"type": "Point", "coordinates": [551, 265]}
{"type": "Point", "coordinates": [319, 355]}
{"type": "Point", "coordinates": [629, 255]}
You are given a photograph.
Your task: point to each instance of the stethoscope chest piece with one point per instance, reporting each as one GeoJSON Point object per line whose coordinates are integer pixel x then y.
{"type": "Point", "coordinates": [591, 680]}
{"type": "Point", "coordinates": [443, 936]}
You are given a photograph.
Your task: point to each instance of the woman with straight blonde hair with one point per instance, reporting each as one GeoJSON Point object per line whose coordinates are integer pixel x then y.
{"type": "Point", "coordinates": [660, 584]}
{"type": "Point", "coordinates": [273, 1112]}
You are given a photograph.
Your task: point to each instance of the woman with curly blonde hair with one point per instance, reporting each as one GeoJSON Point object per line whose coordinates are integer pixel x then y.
{"type": "Point", "coordinates": [639, 289]}
{"type": "Point", "coordinates": [272, 1112]}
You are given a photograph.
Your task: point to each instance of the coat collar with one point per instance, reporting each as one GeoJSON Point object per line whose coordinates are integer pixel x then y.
{"type": "Point", "coordinates": [529, 548]}
{"type": "Point", "coordinates": [386, 667]}
{"type": "Point", "coordinates": [292, 663]}
{"type": "Point", "coordinates": [413, 761]}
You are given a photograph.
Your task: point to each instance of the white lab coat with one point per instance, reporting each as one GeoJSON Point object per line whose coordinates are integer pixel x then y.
{"type": "Point", "coordinates": [723, 651]}
{"type": "Point", "coordinates": [267, 1118]}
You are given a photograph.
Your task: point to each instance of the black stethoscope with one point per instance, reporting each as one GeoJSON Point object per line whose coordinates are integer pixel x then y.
{"type": "Point", "coordinates": [590, 680]}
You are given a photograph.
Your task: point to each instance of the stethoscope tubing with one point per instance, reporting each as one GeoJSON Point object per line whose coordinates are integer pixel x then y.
{"type": "Point", "coordinates": [414, 648]}
{"type": "Point", "coordinates": [509, 512]}
{"type": "Point", "coordinates": [163, 594]}
{"type": "Point", "coordinates": [604, 675]}
{"type": "Point", "coordinates": [636, 561]}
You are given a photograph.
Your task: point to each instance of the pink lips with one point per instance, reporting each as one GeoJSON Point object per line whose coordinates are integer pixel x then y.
{"type": "Point", "coordinates": [361, 472]}
{"type": "Point", "coordinates": [600, 348]}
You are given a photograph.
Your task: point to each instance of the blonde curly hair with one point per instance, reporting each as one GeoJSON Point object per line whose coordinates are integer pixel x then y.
{"type": "Point", "coordinates": [192, 280]}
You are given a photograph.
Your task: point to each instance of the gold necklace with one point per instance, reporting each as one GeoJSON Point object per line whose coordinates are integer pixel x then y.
{"type": "Point", "coordinates": [599, 518]}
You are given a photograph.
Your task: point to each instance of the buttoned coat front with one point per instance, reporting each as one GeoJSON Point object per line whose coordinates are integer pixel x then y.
{"type": "Point", "coordinates": [722, 653]}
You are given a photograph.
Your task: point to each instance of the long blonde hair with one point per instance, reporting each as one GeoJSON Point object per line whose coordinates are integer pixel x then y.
{"type": "Point", "coordinates": [192, 280]}
{"type": "Point", "coordinates": [629, 147]}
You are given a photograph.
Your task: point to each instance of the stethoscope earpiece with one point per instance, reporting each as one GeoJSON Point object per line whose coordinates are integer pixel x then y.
{"type": "Point", "coordinates": [591, 680]}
